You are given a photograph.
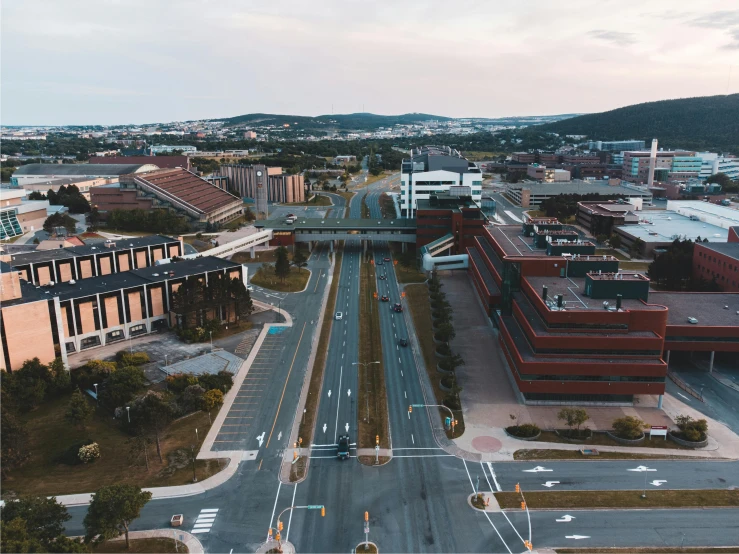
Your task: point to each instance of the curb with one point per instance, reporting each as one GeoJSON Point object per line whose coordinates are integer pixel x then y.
{"type": "Point", "coordinates": [194, 546]}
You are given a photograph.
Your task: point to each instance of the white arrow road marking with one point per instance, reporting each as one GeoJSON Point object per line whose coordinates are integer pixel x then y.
{"type": "Point", "coordinates": [565, 519]}
{"type": "Point", "coordinates": [642, 468]}
{"type": "Point", "coordinates": [685, 397]}
{"type": "Point", "coordinates": [576, 537]}
{"type": "Point", "coordinates": [346, 427]}
{"type": "Point", "coordinates": [260, 438]}
{"type": "Point", "coordinates": [348, 392]}
{"type": "Point", "coordinates": [279, 436]}
{"type": "Point", "coordinates": [329, 393]}
{"type": "Point", "coordinates": [658, 482]}
{"type": "Point", "coordinates": [324, 427]}
{"type": "Point", "coordinates": [537, 469]}
{"type": "Point", "coordinates": [550, 484]}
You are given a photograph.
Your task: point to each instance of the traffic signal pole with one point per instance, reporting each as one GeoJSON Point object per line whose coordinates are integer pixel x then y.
{"type": "Point", "coordinates": [451, 414]}
{"type": "Point", "coordinates": [280, 525]}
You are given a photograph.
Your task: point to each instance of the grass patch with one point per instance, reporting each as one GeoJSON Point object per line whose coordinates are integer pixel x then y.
{"type": "Point", "coordinates": [236, 223]}
{"type": "Point", "coordinates": [294, 282]}
{"type": "Point", "coordinates": [308, 421]}
{"type": "Point", "coordinates": [387, 206]}
{"type": "Point", "coordinates": [480, 156]}
{"type": "Point", "coordinates": [418, 300]}
{"type": "Point", "coordinates": [621, 499]}
{"type": "Point", "coordinates": [371, 549]}
{"type": "Point", "coordinates": [372, 413]}
{"type": "Point", "coordinates": [634, 266]}
{"type": "Point", "coordinates": [114, 231]}
{"type": "Point", "coordinates": [365, 208]}
{"type": "Point", "coordinates": [142, 545]}
{"type": "Point", "coordinates": [601, 439]}
{"type": "Point", "coordinates": [49, 435]}
{"type": "Point", "coordinates": [549, 454]}
{"type": "Point", "coordinates": [347, 195]}
{"type": "Point", "coordinates": [407, 269]}
{"type": "Point", "coordinates": [372, 179]}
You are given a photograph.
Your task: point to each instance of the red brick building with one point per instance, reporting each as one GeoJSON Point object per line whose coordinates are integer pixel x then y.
{"type": "Point", "coordinates": [718, 261]}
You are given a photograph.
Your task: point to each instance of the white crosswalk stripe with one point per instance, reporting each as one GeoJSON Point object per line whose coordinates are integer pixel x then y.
{"type": "Point", "coordinates": [205, 520]}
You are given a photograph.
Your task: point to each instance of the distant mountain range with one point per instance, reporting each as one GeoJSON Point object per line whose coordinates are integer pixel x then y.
{"type": "Point", "coordinates": [702, 123]}
{"type": "Point", "coordinates": [371, 122]}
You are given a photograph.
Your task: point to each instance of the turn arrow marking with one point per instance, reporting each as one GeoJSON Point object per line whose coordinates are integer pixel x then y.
{"type": "Point", "coordinates": [260, 438]}
{"type": "Point", "coordinates": [537, 469]}
{"type": "Point", "coordinates": [642, 468]}
{"type": "Point", "coordinates": [550, 484]}
{"type": "Point", "coordinates": [576, 537]}
{"type": "Point", "coordinates": [329, 394]}
{"type": "Point", "coordinates": [658, 482]}
{"type": "Point", "coordinates": [565, 519]}
{"type": "Point", "coordinates": [347, 427]}
{"type": "Point", "coordinates": [349, 392]}
{"type": "Point", "coordinates": [324, 427]}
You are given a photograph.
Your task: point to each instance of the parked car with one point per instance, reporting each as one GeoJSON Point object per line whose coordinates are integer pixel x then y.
{"type": "Point", "coordinates": [339, 316]}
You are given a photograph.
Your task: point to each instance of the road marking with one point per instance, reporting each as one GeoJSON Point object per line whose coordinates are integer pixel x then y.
{"type": "Point", "coordinates": [338, 403]}
{"type": "Point", "coordinates": [401, 373]}
{"type": "Point", "coordinates": [577, 537]}
{"type": "Point", "coordinates": [348, 392]}
{"type": "Point", "coordinates": [286, 381]}
{"type": "Point", "coordinates": [495, 480]}
{"type": "Point", "coordinates": [485, 513]}
{"type": "Point", "coordinates": [550, 484]}
{"type": "Point", "coordinates": [260, 438]}
{"type": "Point", "coordinates": [565, 519]}
{"type": "Point", "coordinates": [412, 439]}
{"type": "Point", "coordinates": [329, 393]}
{"type": "Point", "coordinates": [642, 468]}
{"type": "Point", "coordinates": [537, 469]}
{"type": "Point", "coordinates": [405, 394]}
{"type": "Point", "coordinates": [324, 427]}
{"type": "Point", "coordinates": [295, 489]}
{"type": "Point", "coordinates": [658, 482]}
{"type": "Point", "coordinates": [685, 397]}
{"type": "Point", "coordinates": [347, 427]}
{"type": "Point", "coordinates": [277, 496]}
{"type": "Point", "coordinates": [279, 436]}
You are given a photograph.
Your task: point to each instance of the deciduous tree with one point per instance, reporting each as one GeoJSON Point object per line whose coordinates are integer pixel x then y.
{"type": "Point", "coordinates": [78, 410]}
{"type": "Point", "coordinates": [112, 510]}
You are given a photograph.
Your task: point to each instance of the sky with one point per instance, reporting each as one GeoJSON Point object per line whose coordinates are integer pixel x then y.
{"type": "Point", "coordinates": [67, 62]}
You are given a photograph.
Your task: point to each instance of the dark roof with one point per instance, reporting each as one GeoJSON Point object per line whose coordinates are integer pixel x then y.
{"type": "Point", "coordinates": [730, 249]}
{"type": "Point", "coordinates": [187, 187]}
{"type": "Point", "coordinates": [709, 308]}
{"type": "Point", "coordinates": [163, 162]}
{"type": "Point", "coordinates": [79, 169]}
{"type": "Point", "coordinates": [39, 256]}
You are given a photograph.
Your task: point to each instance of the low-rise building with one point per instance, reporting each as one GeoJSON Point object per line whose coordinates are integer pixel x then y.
{"type": "Point", "coordinates": [18, 215]}
{"type": "Point", "coordinates": [616, 145]}
{"type": "Point", "coordinates": [162, 162]}
{"type": "Point", "coordinates": [39, 173]}
{"type": "Point", "coordinates": [281, 187]}
{"type": "Point", "coordinates": [82, 183]}
{"type": "Point", "coordinates": [529, 194]}
{"type": "Point", "coordinates": [719, 262]}
{"type": "Point", "coordinates": [599, 218]}
{"type": "Point", "coordinates": [547, 174]}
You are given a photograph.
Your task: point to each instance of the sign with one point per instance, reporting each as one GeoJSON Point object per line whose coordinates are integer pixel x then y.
{"type": "Point", "coordinates": [657, 431]}
{"type": "Point", "coordinates": [282, 233]}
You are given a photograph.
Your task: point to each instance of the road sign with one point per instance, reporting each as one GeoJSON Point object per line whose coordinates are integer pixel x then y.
{"type": "Point", "coordinates": [658, 431]}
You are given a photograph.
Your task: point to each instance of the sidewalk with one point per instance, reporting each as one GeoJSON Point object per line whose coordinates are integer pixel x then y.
{"type": "Point", "coordinates": [194, 546]}
{"type": "Point", "coordinates": [489, 399]}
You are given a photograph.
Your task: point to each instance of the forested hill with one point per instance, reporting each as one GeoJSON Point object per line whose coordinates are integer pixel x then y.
{"type": "Point", "coordinates": [339, 121]}
{"type": "Point", "coordinates": [702, 123]}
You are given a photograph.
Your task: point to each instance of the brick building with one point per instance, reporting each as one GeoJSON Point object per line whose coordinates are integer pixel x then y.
{"type": "Point", "coordinates": [717, 261]}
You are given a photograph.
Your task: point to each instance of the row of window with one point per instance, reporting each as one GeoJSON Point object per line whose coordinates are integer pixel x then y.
{"type": "Point", "coordinates": [715, 275]}
{"type": "Point", "coordinates": [731, 267]}
{"type": "Point", "coordinates": [607, 378]}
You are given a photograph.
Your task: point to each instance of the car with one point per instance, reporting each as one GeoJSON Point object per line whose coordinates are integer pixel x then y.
{"type": "Point", "coordinates": [385, 298]}
{"type": "Point", "coordinates": [339, 316]}
{"type": "Point", "coordinates": [379, 262]}
{"type": "Point", "coordinates": [382, 277]}
{"type": "Point", "coordinates": [403, 342]}
{"type": "Point", "coordinates": [387, 259]}
{"type": "Point", "coordinates": [397, 307]}
{"type": "Point", "coordinates": [342, 448]}
{"type": "Point", "coordinates": [249, 288]}
{"type": "Point", "coordinates": [692, 320]}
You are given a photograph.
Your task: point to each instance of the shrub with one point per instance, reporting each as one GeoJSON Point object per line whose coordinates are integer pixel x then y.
{"type": "Point", "coordinates": [478, 501]}
{"type": "Point", "coordinates": [452, 402]}
{"type": "Point", "coordinates": [447, 381]}
{"type": "Point", "coordinates": [573, 417]}
{"type": "Point", "coordinates": [192, 399]}
{"type": "Point", "coordinates": [222, 381]}
{"type": "Point", "coordinates": [94, 371]}
{"type": "Point", "coordinates": [89, 453]}
{"type": "Point", "coordinates": [180, 381]}
{"type": "Point", "coordinates": [444, 350]}
{"type": "Point", "coordinates": [125, 358]}
{"type": "Point", "coordinates": [628, 427]}
{"type": "Point", "coordinates": [691, 429]}
{"type": "Point", "coordinates": [527, 430]}
{"type": "Point", "coordinates": [71, 456]}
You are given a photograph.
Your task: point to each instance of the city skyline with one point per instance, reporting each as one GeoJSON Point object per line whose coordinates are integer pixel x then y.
{"type": "Point", "coordinates": [156, 63]}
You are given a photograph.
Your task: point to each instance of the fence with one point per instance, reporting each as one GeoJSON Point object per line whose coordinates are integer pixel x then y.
{"type": "Point", "coordinates": [683, 385]}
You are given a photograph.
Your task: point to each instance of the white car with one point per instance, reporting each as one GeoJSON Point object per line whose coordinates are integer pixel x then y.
{"type": "Point", "coordinates": [249, 288]}
{"type": "Point", "coordinates": [339, 316]}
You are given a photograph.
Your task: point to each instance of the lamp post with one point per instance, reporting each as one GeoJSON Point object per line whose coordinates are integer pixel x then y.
{"type": "Point", "coordinates": [366, 384]}
{"type": "Point", "coordinates": [128, 413]}
{"type": "Point", "coordinates": [192, 451]}
{"type": "Point", "coordinates": [97, 398]}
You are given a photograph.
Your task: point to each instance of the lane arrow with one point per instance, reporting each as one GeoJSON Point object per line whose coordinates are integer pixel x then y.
{"type": "Point", "coordinates": [642, 468]}
{"type": "Point", "coordinates": [347, 427]}
{"type": "Point", "coordinates": [260, 438]}
{"type": "Point", "coordinates": [324, 427]}
{"type": "Point", "coordinates": [329, 393]}
{"type": "Point", "coordinates": [565, 519]}
{"type": "Point", "coordinates": [658, 482]}
{"type": "Point", "coordinates": [550, 484]}
{"type": "Point", "coordinates": [279, 436]}
{"type": "Point", "coordinates": [576, 537]}
{"type": "Point", "coordinates": [349, 392]}
{"type": "Point", "coordinates": [537, 469]}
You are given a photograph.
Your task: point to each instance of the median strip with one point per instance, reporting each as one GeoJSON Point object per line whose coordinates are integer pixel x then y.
{"type": "Point", "coordinates": [551, 500]}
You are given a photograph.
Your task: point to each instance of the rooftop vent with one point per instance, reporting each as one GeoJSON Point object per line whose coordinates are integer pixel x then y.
{"type": "Point", "coordinates": [72, 282]}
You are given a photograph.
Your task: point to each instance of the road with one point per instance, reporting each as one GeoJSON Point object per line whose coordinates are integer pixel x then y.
{"type": "Point", "coordinates": [418, 501]}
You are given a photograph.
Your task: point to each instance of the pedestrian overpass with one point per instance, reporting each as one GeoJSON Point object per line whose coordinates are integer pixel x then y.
{"type": "Point", "coordinates": [432, 261]}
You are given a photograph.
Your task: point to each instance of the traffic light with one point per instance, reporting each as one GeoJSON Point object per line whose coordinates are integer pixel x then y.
{"type": "Point", "coordinates": [402, 294]}
{"type": "Point", "coordinates": [269, 533]}
{"type": "Point", "coordinates": [280, 526]}
{"type": "Point", "coordinates": [523, 505]}
{"type": "Point", "coordinates": [395, 262]}
{"type": "Point", "coordinates": [518, 487]}
{"type": "Point", "coordinates": [410, 409]}
{"type": "Point", "coordinates": [323, 511]}
{"type": "Point", "coordinates": [374, 294]}
{"type": "Point", "coordinates": [528, 545]}
{"type": "Point", "coordinates": [366, 516]}
{"type": "Point", "coordinates": [278, 536]}
{"type": "Point", "coordinates": [377, 439]}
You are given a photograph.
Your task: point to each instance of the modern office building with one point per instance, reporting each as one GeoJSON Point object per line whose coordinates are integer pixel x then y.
{"type": "Point", "coordinates": [39, 173]}
{"type": "Point", "coordinates": [280, 187]}
{"type": "Point", "coordinates": [616, 145]}
{"type": "Point", "coordinates": [575, 329]}
{"type": "Point", "coordinates": [18, 215]}
{"type": "Point", "coordinates": [669, 165]}
{"type": "Point", "coordinates": [45, 321]}
{"type": "Point", "coordinates": [433, 170]}
{"type": "Point", "coordinates": [530, 194]}
{"type": "Point", "coordinates": [168, 149]}
{"type": "Point", "coordinates": [712, 163]}
{"type": "Point", "coordinates": [176, 189]}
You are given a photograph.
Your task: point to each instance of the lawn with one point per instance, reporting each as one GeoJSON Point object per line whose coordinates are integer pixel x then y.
{"type": "Point", "coordinates": [307, 422]}
{"type": "Point", "coordinates": [372, 412]}
{"type": "Point", "coordinates": [418, 300]}
{"type": "Point", "coordinates": [547, 454]}
{"type": "Point", "coordinates": [49, 435]}
{"type": "Point", "coordinates": [294, 282]}
{"type": "Point", "coordinates": [406, 271]}
{"type": "Point", "coordinates": [263, 256]}
{"type": "Point", "coordinates": [387, 206]}
{"type": "Point", "coordinates": [601, 439]}
{"type": "Point", "coordinates": [142, 545]}
{"type": "Point", "coordinates": [317, 200]}
{"type": "Point", "coordinates": [199, 244]}
{"type": "Point", "coordinates": [634, 266]}
{"type": "Point", "coordinates": [620, 499]}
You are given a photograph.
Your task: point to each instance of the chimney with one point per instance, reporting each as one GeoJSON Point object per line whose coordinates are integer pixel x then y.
{"type": "Point", "coordinates": [652, 162]}
{"type": "Point", "coordinates": [544, 293]}
{"type": "Point", "coordinates": [618, 301]}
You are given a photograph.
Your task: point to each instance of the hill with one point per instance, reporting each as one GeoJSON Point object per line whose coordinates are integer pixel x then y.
{"type": "Point", "coordinates": [702, 123]}
{"type": "Point", "coordinates": [366, 121]}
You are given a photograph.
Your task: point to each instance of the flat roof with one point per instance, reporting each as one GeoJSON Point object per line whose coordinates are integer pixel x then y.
{"type": "Point", "coordinates": [726, 215]}
{"type": "Point", "coordinates": [344, 224]}
{"type": "Point", "coordinates": [578, 187]}
{"type": "Point", "coordinates": [730, 249]}
{"type": "Point", "coordinates": [707, 307]}
{"type": "Point", "coordinates": [82, 169]}
{"type": "Point", "coordinates": [664, 226]}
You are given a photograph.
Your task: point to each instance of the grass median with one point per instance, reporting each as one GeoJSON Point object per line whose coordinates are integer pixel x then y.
{"type": "Point", "coordinates": [372, 412]}
{"type": "Point", "coordinates": [551, 454]}
{"type": "Point", "coordinates": [295, 281]}
{"type": "Point", "coordinates": [418, 300]}
{"type": "Point", "coordinates": [308, 421]}
{"type": "Point", "coordinates": [708, 498]}
{"type": "Point", "coordinates": [159, 544]}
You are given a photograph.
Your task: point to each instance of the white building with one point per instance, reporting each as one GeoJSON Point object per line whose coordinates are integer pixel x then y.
{"type": "Point", "coordinates": [713, 163]}
{"type": "Point", "coordinates": [432, 169]}
{"type": "Point", "coordinates": [710, 214]}
{"type": "Point", "coordinates": [163, 148]}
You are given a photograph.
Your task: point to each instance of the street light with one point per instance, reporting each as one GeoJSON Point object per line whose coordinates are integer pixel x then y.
{"type": "Point", "coordinates": [211, 340]}
{"type": "Point", "coordinates": [97, 398]}
{"type": "Point", "coordinates": [366, 383]}
{"type": "Point", "coordinates": [128, 413]}
{"type": "Point", "coordinates": [453, 421]}
{"type": "Point", "coordinates": [192, 451]}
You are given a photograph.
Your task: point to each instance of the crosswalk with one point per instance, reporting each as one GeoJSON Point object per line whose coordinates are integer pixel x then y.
{"type": "Point", "coordinates": [205, 520]}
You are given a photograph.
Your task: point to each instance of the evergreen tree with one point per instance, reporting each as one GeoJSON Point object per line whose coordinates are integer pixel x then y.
{"type": "Point", "coordinates": [282, 264]}
{"type": "Point", "coordinates": [78, 410]}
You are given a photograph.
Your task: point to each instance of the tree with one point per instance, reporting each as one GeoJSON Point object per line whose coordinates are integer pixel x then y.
{"type": "Point", "coordinates": [94, 217]}
{"type": "Point", "coordinates": [17, 538]}
{"type": "Point", "coordinates": [445, 331]}
{"type": "Point", "coordinates": [249, 215]}
{"type": "Point", "coordinates": [13, 450]}
{"type": "Point", "coordinates": [192, 399]}
{"type": "Point", "coordinates": [615, 240]}
{"type": "Point", "coordinates": [112, 510]}
{"type": "Point", "coordinates": [691, 429]}
{"type": "Point", "coordinates": [573, 417]}
{"type": "Point", "coordinates": [36, 195]}
{"type": "Point", "coordinates": [60, 220]}
{"type": "Point", "coordinates": [637, 248]}
{"type": "Point", "coordinates": [212, 399]}
{"type": "Point", "coordinates": [722, 179]}
{"type": "Point", "coordinates": [78, 410]}
{"type": "Point", "coordinates": [299, 259]}
{"type": "Point", "coordinates": [628, 427]}
{"type": "Point", "coordinates": [152, 413]}
{"type": "Point", "coordinates": [44, 517]}
{"type": "Point", "coordinates": [62, 379]}
{"type": "Point", "coordinates": [282, 264]}
{"type": "Point", "coordinates": [121, 386]}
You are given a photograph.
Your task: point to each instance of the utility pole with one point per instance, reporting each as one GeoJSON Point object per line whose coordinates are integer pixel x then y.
{"type": "Point", "coordinates": [192, 451]}
{"type": "Point", "coordinates": [366, 530]}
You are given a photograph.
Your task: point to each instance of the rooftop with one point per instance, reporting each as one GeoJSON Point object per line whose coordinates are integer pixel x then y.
{"type": "Point", "coordinates": [707, 307]}
{"type": "Point", "coordinates": [343, 224]}
{"type": "Point", "coordinates": [579, 187]}
{"type": "Point", "coordinates": [607, 208]}
{"type": "Point", "coordinates": [664, 226]}
{"type": "Point", "coordinates": [83, 169]}
{"type": "Point", "coordinates": [730, 249]}
{"type": "Point", "coordinates": [163, 162]}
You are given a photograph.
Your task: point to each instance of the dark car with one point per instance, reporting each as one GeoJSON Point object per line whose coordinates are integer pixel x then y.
{"type": "Point", "coordinates": [403, 342]}
{"type": "Point", "coordinates": [385, 298]}
{"type": "Point", "coordinates": [397, 307]}
{"type": "Point", "coordinates": [342, 449]}
{"type": "Point", "coordinates": [378, 262]}
{"type": "Point", "coordinates": [382, 277]}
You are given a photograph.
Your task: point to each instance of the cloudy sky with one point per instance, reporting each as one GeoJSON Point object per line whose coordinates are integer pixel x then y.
{"type": "Point", "coordinates": [139, 61]}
